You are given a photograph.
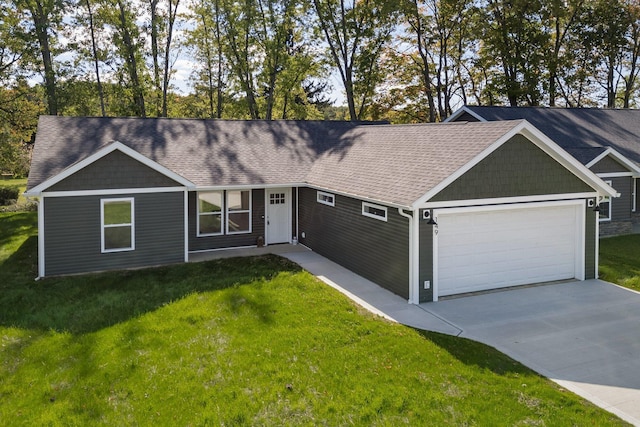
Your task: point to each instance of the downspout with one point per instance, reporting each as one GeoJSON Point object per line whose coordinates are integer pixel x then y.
{"type": "Point", "coordinates": [413, 299]}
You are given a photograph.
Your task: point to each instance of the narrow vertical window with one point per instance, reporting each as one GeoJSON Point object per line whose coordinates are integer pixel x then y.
{"type": "Point", "coordinates": [117, 225]}
{"type": "Point", "coordinates": [604, 207]}
{"type": "Point", "coordinates": [238, 211]}
{"type": "Point", "coordinates": [210, 213]}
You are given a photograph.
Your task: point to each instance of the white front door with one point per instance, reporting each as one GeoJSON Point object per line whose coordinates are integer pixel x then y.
{"type": "Point", "coordinates": [278, 215]}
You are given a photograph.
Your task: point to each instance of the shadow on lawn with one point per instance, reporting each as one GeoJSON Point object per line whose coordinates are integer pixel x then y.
{"type": "Point", "coordinates": [87, 303]}
{"type": "Point", "coordinates": [475, 353]}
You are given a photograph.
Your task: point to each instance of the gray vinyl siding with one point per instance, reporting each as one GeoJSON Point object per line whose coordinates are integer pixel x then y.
{"type": "Point", "coordinates": [232, 240]}
{"type": "Point", "coordinates": [590, 244]}
{"type": "Point", "coordinates": [426, 259]}
{"type": "Point", "coordinates": [374, 249]}
{"type": "Point", "coordinates": [115, 170]}
{"type": "Point", "coordinates": [608, 165]}
{"type": "Point", "coordinates": [466, 117]}
{"type": "Point", "coordinates": [517, 168]}
{"type": "Point", "coordinates": [72, 232]}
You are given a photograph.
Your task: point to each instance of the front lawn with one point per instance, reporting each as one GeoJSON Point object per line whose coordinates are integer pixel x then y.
{"type": "Point", "coordinates": [252, 341]}
{"type": "Point", "coordinates": [620, 260]}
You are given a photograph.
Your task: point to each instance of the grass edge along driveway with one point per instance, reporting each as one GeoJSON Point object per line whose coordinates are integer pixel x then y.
{"type": "Point", "coordinates": [251, 341]}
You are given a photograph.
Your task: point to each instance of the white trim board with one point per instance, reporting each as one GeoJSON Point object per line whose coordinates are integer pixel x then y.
{"type": "Point", "coordinates": [614, 174]}
{"type": "Point", "coordinates": [100, 154]}
{"type": "Point", "coordinates": [462, 110]}
{"type": "Point", "coordinates": [112, 191]}
{"type": "Point", "coordinates": [508, 200]}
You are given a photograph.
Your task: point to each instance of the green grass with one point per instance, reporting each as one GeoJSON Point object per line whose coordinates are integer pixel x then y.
{"type": "Point", "coordinates": [620, 260]}
{"type": "Point", "coordinates": [22, 202]}
{"type": "Point", "coordinates": [252, 341]}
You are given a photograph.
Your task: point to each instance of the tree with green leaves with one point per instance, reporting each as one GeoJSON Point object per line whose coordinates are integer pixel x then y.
{"type": "Point", "coordinates": [356, 33]}
{"type": "Point", "coordinates": [44, 18]}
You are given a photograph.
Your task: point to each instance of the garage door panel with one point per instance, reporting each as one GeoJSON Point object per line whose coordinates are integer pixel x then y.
{"type": "Point", "coordinates": [508, 247]}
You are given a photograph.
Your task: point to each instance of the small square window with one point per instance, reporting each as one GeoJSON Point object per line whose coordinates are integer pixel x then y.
{"type": "Point", "coordinates": [276, 199]}
{"type": "Point", "coordinates": [374, 211]}
{"type": "Point", "coordinates": [326, 198]}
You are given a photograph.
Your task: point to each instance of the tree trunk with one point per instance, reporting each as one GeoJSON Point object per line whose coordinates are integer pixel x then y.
{"type": "Point", "coordinates": [95, 59]}
{"type": "Point", "coordinates": [42, 24]}
{"type": "Point", "coordinates": [165, 82]}
{"type": "Point", "coordinates": [132, 64]}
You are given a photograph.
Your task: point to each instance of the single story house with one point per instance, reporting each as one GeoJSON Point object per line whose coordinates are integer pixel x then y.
{"type": "Point", "coordinates": [607, 141]}
{"type": "Point", "coordinates": [423, 210]}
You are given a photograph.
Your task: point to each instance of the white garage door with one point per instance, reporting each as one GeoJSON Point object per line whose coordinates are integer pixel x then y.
{"type": "Point", "coordinates": [508, 246]}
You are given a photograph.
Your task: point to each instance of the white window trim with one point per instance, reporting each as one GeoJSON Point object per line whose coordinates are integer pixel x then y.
{"type": "Point", "coordinates": [222, 199]}
{"type": "Point", "coordinates": [103, 225]}
{"type": "Point", "coordinates": [634, 200]}
{"type": "Point", "coordinates": [228, 211]}
{"type": "Point", "coordinates": [606, 200]}
{"type": "Point", "coordinates": [321, 194]}
{"type": "Point", "coordinates": [366, 205]}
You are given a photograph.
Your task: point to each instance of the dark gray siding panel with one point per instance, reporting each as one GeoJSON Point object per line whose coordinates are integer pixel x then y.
{"type": "Point", "coordinates": [590, 244]}
{"type": "Point", "coordinates": [115, 170]}
{"type": "Point", "coordinates": [466, 117]}
{"type": "Point", "coordinates": [72, 233]}
{"type": "Point", "coordinates": [517, 168]}
{"type": "Point", "coordinates": [372, 248]}
{"type": "Point", "coordinates": [227, 241]}
{"type": "Point", "coordinates": [426, 259]}
{"type": "Point", "coordinates": [621, 206]}
{"type": "Point", "coordinates": [608, 165]}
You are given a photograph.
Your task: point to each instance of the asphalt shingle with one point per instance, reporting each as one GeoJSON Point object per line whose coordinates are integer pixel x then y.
{"type": "Point", "coordinates": [576, 129]}
{"type": "Point", "coordinates": [395, 164]}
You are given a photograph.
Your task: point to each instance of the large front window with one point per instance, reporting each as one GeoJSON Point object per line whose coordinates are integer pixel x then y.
{"type": "Point", "coordinates": [224, 212]}
{"type": "Point", "coordinates": [117, 219]}
{"type": "Point", "coordinates": [210, 213]}
{"type": "Point", "coordinates": [238, 212]}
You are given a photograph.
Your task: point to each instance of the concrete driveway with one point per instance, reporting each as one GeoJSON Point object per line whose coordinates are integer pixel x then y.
{"type": "Point", "coordinates": [583, 335]}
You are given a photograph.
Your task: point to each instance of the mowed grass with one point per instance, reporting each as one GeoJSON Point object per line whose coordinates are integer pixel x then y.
{"type": "Point", "coordinates": [620, 260]}
{"type": "Point", "coordinates": [16, 182]}
{"type": "Point", "coordinates": [253, 341]}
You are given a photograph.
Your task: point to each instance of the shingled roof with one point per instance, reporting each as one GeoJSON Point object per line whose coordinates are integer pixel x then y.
{"type": "Point", "coordinates": [396, 164]}
{"type": "Point", "coordinates": [581, 131]}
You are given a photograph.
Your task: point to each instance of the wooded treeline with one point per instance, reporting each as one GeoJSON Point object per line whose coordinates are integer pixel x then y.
{"type": "Point", "coordinates": [400, 60]}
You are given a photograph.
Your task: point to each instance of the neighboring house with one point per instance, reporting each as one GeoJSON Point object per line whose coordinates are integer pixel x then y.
{"type": "Point", "coordinates": [607, 141]}
{"type": "Point", "coordinates": [423, 210]}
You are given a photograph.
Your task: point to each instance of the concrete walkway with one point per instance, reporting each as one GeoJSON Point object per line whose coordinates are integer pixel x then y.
{"type": "Point", "coordinates": [585, 336]}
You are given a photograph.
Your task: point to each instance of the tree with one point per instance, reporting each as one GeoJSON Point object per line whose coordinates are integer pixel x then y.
{"type": "Point", "coordinates": [357, 33]}
{"type": "Point", "coordinates": [45, 16]}
{"type": "Point", "coordinates": [513, 41]}
{"type": "Point", "coordinates": [205, 42]}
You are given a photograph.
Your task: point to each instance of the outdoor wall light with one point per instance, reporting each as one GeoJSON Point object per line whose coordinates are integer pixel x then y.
{"type": "Point", "coordinates": [428, 215]}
